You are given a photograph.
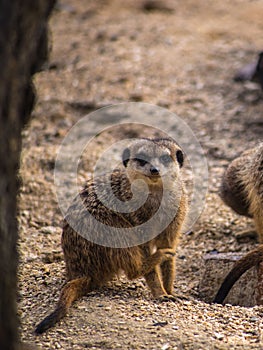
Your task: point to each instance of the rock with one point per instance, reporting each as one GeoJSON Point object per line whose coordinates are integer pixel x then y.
{"type": "Point", "coordinates": [245, 292]}
{"type": "Point", "coordinates": [49, 230]}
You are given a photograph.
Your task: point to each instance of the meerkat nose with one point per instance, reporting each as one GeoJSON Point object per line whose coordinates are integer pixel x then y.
{"type": "Point", "coordinates": [154, 170]}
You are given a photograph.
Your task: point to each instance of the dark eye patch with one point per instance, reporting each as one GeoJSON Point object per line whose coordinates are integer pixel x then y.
{"type": "Point", "coordinates": [142, 159]}
{"type": "Point", "coordinates": [142, 162]}
{"type": "Point", "coordinates": [180, 157]}
{"type": "Point", "coordinates": [165, 159]}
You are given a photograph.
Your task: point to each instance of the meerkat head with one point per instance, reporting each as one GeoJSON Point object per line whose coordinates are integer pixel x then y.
{"type": "Point", "coordinates": [153, 160]}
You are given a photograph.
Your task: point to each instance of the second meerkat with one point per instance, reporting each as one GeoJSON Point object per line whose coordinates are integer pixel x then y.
{"type": "Point", "coordinates": [242, 190]}
{"type": "Point", "coordinates": [157, 163]}
{"type": "Point", "coordinates": [242, 186]}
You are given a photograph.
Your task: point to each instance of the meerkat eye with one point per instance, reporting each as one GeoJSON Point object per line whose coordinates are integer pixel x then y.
{"type": "Point", "coordinates": [165, 159]}
{"type": "Point", "coordinates": [141, 162]}
{"type": "Point", "coordinates": [142, 159]}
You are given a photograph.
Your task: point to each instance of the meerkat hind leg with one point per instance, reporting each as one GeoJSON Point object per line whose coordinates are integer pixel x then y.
{"type": "Point", "coordinates": [256, 233]}
{"type": "Point", "coordinates": [249, 233]}
{"type": "Point", "coordinates": [168, 275]}
{"type": "Point", "coordinates": [154, 282]}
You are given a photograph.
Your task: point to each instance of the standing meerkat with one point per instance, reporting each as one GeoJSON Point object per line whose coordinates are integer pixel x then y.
{"type": "Point", "coordinates": [158, 163]}
{"type": "Point", "coordinates": [242, 187]}
{"type": "Point", "coordinates": [251, 259]}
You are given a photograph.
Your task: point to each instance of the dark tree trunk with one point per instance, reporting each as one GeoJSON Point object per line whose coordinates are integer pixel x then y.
{"type": "Point", "coordinates": [23, 50]}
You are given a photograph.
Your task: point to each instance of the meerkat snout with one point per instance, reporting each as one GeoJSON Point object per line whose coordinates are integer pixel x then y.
{"type": "Point", "coordinates": [154, 171]}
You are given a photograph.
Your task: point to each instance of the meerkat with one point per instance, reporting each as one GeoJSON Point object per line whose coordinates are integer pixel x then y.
{"type": "Point", "coordinates": [251, 259]}
{"type": "Point", "coordinates": [242, 188]}
{"type": "Point", "coordinates": [158, 163]}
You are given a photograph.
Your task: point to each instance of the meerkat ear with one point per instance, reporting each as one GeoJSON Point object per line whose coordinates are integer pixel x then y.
{"type": "Point", "coordinates": [180, 157]}
{"type": "Point", "coordinates": [126, 156]}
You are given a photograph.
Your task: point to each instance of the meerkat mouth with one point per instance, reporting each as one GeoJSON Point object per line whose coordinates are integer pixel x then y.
{"type": "Point", "coordinates": [154, 178]}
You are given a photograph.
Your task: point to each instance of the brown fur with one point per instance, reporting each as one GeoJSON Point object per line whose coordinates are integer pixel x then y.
{"type": "Point", "coordinates": [241, 266]}
{"type": "Point", "coordinates": [89, 265]}
{"type": "Point", "coordinates": [242, 186]}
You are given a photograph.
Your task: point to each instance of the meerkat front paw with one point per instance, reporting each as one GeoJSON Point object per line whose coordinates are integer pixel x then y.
{"type": "Point", "coordinates": [167, 253]}
{"type": "Point", "coordinates": [167, 297]}
{"type": "Point", "coordinates": [172, 297]}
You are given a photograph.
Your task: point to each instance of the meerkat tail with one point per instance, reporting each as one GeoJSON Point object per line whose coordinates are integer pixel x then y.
{"type": "Point", "coordinates": [71, 291]}
{"type": "Point", "coordinates": [51, 320]}
{"type": "Point", "coordinates": [241, 266]}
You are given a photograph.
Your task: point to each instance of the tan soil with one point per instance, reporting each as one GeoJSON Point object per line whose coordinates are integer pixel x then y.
{"type": "Point", "coordinates": [181, 55]}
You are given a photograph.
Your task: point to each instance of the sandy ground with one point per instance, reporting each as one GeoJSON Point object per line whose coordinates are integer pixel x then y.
{"type": "Point", "coordinates": [182, 55]}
